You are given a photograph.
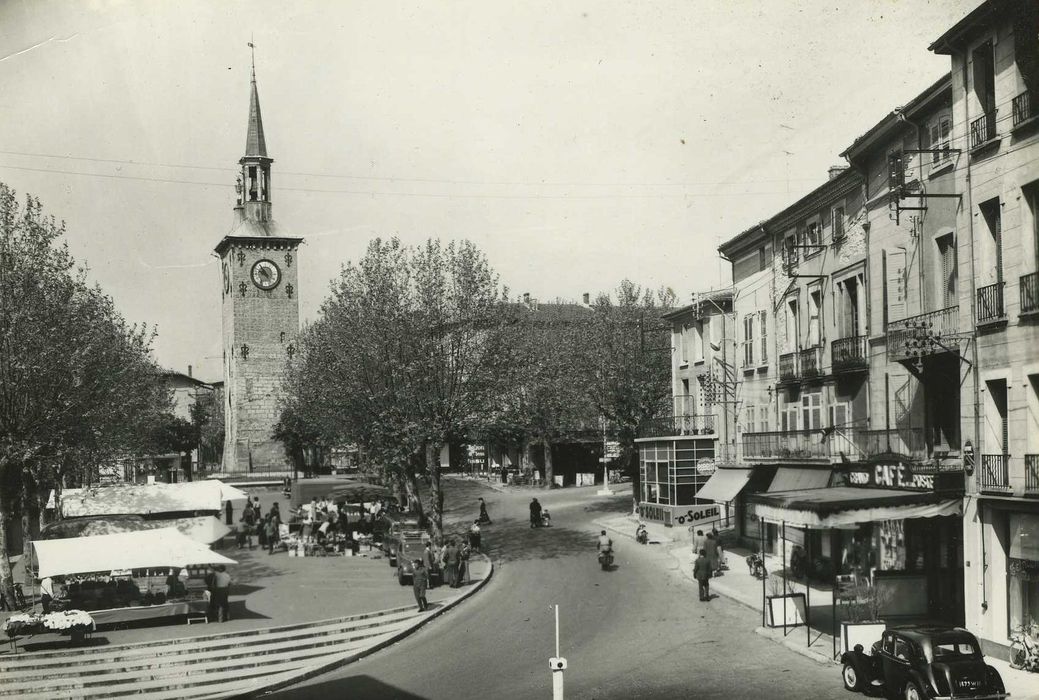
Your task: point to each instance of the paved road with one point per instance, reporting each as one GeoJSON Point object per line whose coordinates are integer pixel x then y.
{"type": "Point", "coordinates": [635, 632]}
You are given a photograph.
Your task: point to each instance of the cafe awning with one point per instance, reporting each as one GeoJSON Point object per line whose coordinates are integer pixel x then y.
{"type": "Point", "coordinates": [846, 506]}
{"type": "Point", "coordinates": [724, 485]}
{"type": "Point", "coordinates": [125, 550]}
{"type": "Point", "coordinates": [799, 478]}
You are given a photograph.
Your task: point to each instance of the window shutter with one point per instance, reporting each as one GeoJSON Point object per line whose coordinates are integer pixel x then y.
{"type": "Point", "coordinates": [895, 285]}
{"type": "Point", "coordinates": [762, 323]}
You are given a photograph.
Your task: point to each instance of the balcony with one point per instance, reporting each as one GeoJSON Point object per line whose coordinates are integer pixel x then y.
{"type": "Point", "coordinates": [811, 362]}
{"type": "Point", "coordinates": [679, 418]}
{"type": "Point", "coordinates": [994, 475]}
{"type": "Point", "coordinates": [990, 304]}
{"type": "Point", "coordinates": [930, 333]}
{"type": "Point", "coordinates": [849, 354]}
{"type": "Point", "coordinates": [1032, 475]}
{"type": "Point", "coordinates": [789, 444]}
{"type": "Point", "coordinates": [1030, 293]}
{"type": "Point", "coordinates": [1024, 108]}
{"type": "Point", "coordinates": [983, 130]}
{"type": "Point", "coordinates": [788, 367]}
{"type": "Point", "coordinates": [902, 441]}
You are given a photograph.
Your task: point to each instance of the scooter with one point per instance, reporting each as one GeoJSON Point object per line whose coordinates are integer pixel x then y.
{"type": "Point", "coordinates": [641, 534]}
{"type": "Point", "coordinates": [606, 559]}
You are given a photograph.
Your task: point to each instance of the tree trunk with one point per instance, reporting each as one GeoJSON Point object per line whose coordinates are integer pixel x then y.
{"type": "Point", "coordinates": [630, 457]}
{"type": "Point", "coordinates": [547, 445]}
{"type": "Point", "coordinates": [436, 495]}
{"type": "Point", "coordinates": [410, 481]}
{"type": "Point", "coordinates": [527, 457]}
{"type": "Point", "coordinates": [6, 576]}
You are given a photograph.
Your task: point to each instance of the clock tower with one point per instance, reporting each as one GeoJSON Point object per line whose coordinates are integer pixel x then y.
{"type": "Point", "coordinates": [260, 309]}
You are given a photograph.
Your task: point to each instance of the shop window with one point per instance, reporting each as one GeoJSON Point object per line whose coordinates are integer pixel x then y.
{"type": "Point", "coordinates": [1023, 572]}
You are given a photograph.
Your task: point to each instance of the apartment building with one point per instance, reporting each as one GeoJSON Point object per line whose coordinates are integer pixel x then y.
{"type": "Point", "coordinates": [994, 53]}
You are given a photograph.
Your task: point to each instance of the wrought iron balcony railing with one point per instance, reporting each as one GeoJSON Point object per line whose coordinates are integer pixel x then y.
{"type": "Point", "coordinates": [811, 362]}
{"type": "Point", "coordinates": [788, 367]}
{"type": "Point", "coordinates": [1030, 293]}
{"type": "Point", "coordinates": [679, 418]}
{"type": "Point", "coordinates": [994, 474]}
{"type": "Point", "coordinates": [983, 129]}
{"type": "Point", "coordinates": [925, 334]}
{"type": "Point", "coordinates": [990, 304]}
{"type": "Point", "coordinates": [903, 441]}
{"type": "Point", "coordinates": [802, 444]}
{"type": "Point", "coordinates": [1024, 108]}
{"type": "Point", "coordinates": [848, 354]}
{"type": "Point", "coordinates": [1032, 475]}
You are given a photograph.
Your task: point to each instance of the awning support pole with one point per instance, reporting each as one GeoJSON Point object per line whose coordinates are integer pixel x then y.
{"type": "Point", "coordinates": [808, 587]}
{"type": "Point", "coordinates": [761, 551]}
{"type": "Point", "coordinates": [833, 608]}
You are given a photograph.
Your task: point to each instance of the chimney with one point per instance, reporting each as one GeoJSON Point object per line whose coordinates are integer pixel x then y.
{"type": "Point", "coordinates": [835, 170]}
{"type": "Point", "coordinates": [189, 370]}
{"type": "Point", "coordinates": [586, 298]}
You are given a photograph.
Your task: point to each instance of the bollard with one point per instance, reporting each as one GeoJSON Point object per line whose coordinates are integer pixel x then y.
{"type": "Point", "coordinates": [558, 666]}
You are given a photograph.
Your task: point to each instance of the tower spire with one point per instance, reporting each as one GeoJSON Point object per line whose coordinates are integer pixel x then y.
{"type": "Point", "coordinates": [254, 202]}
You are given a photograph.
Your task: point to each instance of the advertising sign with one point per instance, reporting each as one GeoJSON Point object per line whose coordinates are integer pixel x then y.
{"type": "Point", "coordinates": [613, 449]}
{"type": "Point", "coordinates": [890, 475]}
{"type": "Point", "coordinates": [681, 515]}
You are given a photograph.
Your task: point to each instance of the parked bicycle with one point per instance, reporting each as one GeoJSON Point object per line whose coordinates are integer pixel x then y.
{"type": "Point", "coordinates": [1024, 651]}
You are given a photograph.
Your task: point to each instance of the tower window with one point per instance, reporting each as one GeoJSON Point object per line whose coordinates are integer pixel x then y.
{"type": "Point", "coordinates": [252, 183]}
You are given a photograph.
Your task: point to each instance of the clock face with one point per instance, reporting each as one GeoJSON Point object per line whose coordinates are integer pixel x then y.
{"type": "Point", "coordinates": [266, 274]}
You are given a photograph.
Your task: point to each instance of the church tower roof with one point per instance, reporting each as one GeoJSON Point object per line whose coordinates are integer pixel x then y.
{"type": "Point", "coordinates": [255, 144]}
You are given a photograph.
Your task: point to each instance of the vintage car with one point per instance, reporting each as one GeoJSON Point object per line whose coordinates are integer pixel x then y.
{"type": "Point", "coordinates": [391, 528]}
{"type": "Point", "coordinates": [408, 549]}
{"type": "Point", "coordinates": [924, 663]}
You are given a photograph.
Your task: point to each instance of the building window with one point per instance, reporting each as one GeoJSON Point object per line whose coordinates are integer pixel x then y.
{"type": "Point", "coordinates": [788, 418]}
{"type": "Point", "coordinates": [763, 332]}
{"type": "Point", "coordinates": [698, 344]}
{"type": "Point", "coordinates": [946, 264]}
{"type": "Point", "coordinates": [837, 223]}
{"type": "Point", "coordinates": [939, 134]}
{"type": "Point", "coordinates": [894, 286]}
{"type": "Point", "coordinates": [1031, 195]}
{"type": "Point", "coordinates": [791, 343]}
{"type": "Point", "coordinates": [748, 340]}
{"type": "Point", "coordinates": [790, 250]}
{"type": "Point", "coordinates": [812, 238]}
{"type": "Point", "coordinates": [748, 419]}
{"type": "Point", "coordinates": [992, 245]}
{"type": "Point", "coordinates": [815, 303]}
{"type": "Point", "coordinates": [983, 62]}
{"type": "Point", "coordinates": [682, 340]}
{"type": "Point", "coordinates": [811, 411]}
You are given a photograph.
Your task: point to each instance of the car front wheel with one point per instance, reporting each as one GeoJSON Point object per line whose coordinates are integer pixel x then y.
{"type": "Point", "coordinates": [913, 692]}
{"type": "Point", "coordinates": [852, 677]}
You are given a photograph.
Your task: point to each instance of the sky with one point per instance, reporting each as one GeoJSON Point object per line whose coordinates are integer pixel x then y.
{"type": "Point", "coordinates": [577, 143]}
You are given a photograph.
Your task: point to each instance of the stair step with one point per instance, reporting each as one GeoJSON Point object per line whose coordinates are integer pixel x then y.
{"type": "Point", "coordinates": [281, 653]}
{"type": "Point", "coordinates": [127, 656]}
{"type": "Point", "coordinates": [240, 635]}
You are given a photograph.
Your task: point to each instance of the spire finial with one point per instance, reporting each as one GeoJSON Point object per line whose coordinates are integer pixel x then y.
{"type": "Point", "coordinates": [252, 50]}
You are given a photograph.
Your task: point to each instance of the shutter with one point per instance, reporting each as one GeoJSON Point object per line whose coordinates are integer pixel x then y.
{"type": "Point", "coordinates": [895, 285]}
{"type": "Point", "coordinates": [762, 323]}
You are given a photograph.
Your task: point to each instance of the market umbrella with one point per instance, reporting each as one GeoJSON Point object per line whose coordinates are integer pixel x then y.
{"type": "Point", "coordinates": [89, 527]}
{"type": "Point", "coordinates": [360, 491]}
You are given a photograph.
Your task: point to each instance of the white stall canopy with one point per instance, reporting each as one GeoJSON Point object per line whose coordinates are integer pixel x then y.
{"type": "Point", "coordinates": [125, 550]}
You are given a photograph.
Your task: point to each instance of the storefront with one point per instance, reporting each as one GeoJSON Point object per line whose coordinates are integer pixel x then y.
{"type": "Point", "coordinates": [884, 523]}
{"type": "Point", "coordinates": [1002, 569]}
{"type": "Point", "coordinates": [673, 471]}
{"type": "Point", "coordinates": [728, 488]}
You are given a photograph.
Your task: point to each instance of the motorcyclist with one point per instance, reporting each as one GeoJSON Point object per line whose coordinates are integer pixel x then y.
{"type": "Point", "coordinates": [605, 543]}
{"type": "Point", "coordinates": [641, 534]}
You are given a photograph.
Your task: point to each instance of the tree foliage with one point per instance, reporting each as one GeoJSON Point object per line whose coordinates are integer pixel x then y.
{"type": "Point", "coordinates": [77, 382]}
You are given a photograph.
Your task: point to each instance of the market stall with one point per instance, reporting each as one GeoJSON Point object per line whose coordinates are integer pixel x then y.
{"type": "Point", "coordinates": [128, 576]}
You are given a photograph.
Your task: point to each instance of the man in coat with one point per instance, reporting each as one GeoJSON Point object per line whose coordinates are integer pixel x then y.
{"type": "Point", "coordinates": [702, 574]}
{"type": "Point", "coordinates": [452, 557]}
{"type": "Point", "coordinates": [419, 583]}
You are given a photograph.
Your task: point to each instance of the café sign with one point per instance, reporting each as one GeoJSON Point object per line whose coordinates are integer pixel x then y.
{"type": "Point", "coordinates": [890, 475]}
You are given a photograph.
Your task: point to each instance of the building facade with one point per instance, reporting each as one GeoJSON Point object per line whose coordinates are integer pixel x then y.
{"type": "Point", "coordinates": [260, 310]}
{"type": "Point", "coordinates": [994, 54]}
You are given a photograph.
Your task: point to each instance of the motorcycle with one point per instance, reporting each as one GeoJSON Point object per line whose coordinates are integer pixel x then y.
{"type": "Point", "coordinates": [756, 565]}
{"type": "Point", "coordinates": [606, 559]}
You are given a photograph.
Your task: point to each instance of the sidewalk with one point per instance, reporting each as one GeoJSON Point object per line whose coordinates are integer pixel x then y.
{"type": "Point", "coordinates": [738, 585]}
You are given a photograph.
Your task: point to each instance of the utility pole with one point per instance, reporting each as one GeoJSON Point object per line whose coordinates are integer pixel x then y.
{"type": "Point", "coordinates": [558, 664]}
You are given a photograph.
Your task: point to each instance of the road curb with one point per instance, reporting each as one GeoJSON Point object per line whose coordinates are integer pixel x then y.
{"type": "Point", "coordinates": [817, 656]}
{"type": "Point", "coordinates": [326, 667]}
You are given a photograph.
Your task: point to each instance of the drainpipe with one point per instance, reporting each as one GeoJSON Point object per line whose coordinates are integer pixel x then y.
{"type": "Point", "coordinates": [974, 344]}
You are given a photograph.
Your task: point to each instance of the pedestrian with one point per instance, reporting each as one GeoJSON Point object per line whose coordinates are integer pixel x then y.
{"type": "Point", "coordinates": [484, 517]}
{"type": "Point", "coordinates": [699, 541]}
{"type": "Point", "coordinates": [702, 574]}
{"type": "Point", "coordinates": [719, 553]}
{"type": "Point", "coordinates": [46, 594]}
{"type": "Point", "coordinates": [535, 513]}
{"type": "Point", "coordinates": [228, 514]}
{"type": "Point", "coordinates": [474, 535]}
{"type": "Point", "coordinates": [419, 583]}
{"type": "Point", "coordinates": [504, 474]}
{"type": "Point", "coordinates": [271, 532]}
{"type": "Point", "coordinates": [242, 533]}
{"type": "Point", "coordinates": [452, 557]}
{"type": "Point", "coordinates": [221, 591]}
{"type": "Point", "coordinates": [463, 563]}
{"type": "Point", "coordinates": [429, 560]}
{"type": "Point", "coordinates": [711, 547]}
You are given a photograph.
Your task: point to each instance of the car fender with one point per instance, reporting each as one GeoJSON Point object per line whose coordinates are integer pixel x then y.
{"type": "Point", "coordinates": [922, 682]}
{"type": "Point", "coordinates": [862, 662]}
